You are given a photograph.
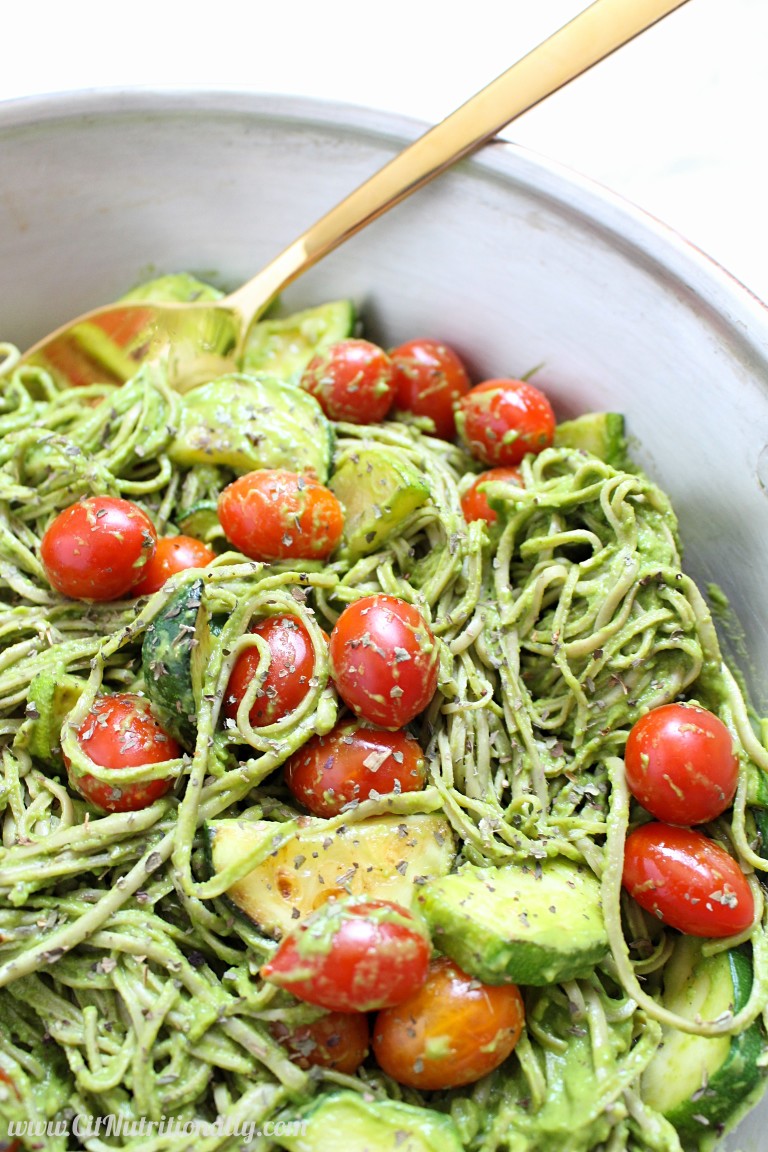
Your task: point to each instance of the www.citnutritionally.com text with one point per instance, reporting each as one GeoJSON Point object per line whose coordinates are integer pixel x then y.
{"type": "Point", "coordinates": [122, 1126]}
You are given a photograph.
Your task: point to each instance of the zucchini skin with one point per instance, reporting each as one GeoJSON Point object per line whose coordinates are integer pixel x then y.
{"type": "Point", "coordinates": [518, 924]}
{"type": "Point", "coordinates": [166, 657]}
{"type": "Point", "coordinates": [739, 1075]}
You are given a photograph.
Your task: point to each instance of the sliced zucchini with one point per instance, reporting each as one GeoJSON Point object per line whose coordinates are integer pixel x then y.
{"type": "Point", "coordinates": [247, 422]}
{"type": "Point", "coordinates": [283, 346]}
{"type": "Point", "coordinates": [600, 433]}
{"type": "Point", "coordinates": [521, 923]}
{"type": "Point", "coordinates": [698, 1082]}
{"type": "Point", "coordinates": [384, 857]}
{"type": "Point", "coordinates": [52, 695]}
{"type": "Point", "coordinates": [359, 1123]}
{"type": "Point", "coordinates": [176, 287]}
{"type": "Point", "coordinates": [173, 657]}
{"type": "Point", "coordinates": [377, 492]}
{"type": "Point", "coordinates": [202, 522]}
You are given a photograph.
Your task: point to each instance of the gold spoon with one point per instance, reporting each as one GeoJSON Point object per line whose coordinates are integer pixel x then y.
{"type": "Point", "coordinates": [200, 340]}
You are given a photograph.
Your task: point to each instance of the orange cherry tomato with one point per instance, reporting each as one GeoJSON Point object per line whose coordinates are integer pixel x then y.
{"type": "Point", "coordinates": [687, 880]}
{"type": "Point", "coordinates": [98, 548]}
{"type": "Point", "coordinates": [287, 680]}
{"type": "Point", "coordinates": [273, 514]}
{"type": "Point", "coordinates": [349, 763]}
{"type": "Point", "coordinates": [500, 421]}
{"type": "Point", "coordinates": [339, 1040]}
{"type": "Point", "coordinates": [474, 502]}
{"type": "Point", "coordinates": [429, 380]}
{"type": "Point", "coordinates": [452, 1031]}
{"type": "Point", "coordinates": [121, 732]}
{"type": "Point", "coordinates": [172, 554]}
{"type": "Point", "coordinates": [681, 764]}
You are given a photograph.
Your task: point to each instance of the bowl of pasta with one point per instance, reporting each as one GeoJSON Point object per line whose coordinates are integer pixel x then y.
{"type": "Point", "coordinates": [382, 753]}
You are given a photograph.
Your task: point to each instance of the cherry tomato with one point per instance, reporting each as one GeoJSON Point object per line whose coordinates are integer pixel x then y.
{"type": "Point", "coordinates": [452, 1031]}
{"type": "Point", "coordinates": [12, 1145]}
{"type": "Point", "coordinates": [172, 554]}
{"type": "Point", "coordinates": [351, 380]}
{"type": "Point", "coordinates": [687, 880]}
{"type": "Point", "coordinates": [384, 660]}
{"type": "Point", "coordinates": [352, 955]}
{"type": "Point", "coordinates": [121, 732]}
{"type": "Point", "coordinates": [351, 762]}
{"type": "Point", "coordinates": [474, 502]}
{"type": "Point", "coordinates": [339, 1040]}
{"type": "Point", "coordinates": [287, 680]}
{"type": "Point", "coordinates": [681, 765]}
{"type": "Point", "coordinates": [275, 515]}
{"type": "Point", "coordinates": [97, 549]}
{"type": "Point", "coordinates": [429, 380]}
{"type": "Point", "coordinates": [502, 420]}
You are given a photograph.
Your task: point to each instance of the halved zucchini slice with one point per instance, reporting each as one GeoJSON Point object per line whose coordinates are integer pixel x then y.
{"type": "Point", "coordinates": [358, 1123]}
{"type": "Point", "coordinates": [284, 345]}
{"type": "Point", "coordinates": [698, 1082]}
{"type": "Point", "coordinates": [377, 491]}
{"type": "Point", "coordinates": [600, 433]}
{"type": "Point", "coordinates": [385, 857]}
{"type": "Point", "coordinates": [537, 923]}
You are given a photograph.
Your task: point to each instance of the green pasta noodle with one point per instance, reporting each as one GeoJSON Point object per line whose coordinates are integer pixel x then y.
{"type": "Point", "coordinates": [128, 988]}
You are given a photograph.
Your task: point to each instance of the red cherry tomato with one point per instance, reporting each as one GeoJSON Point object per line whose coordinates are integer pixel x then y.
{"type": "Point", "coordinates": [687, 880]}
{"type": "Point", "coordinates": [353, 955]}
{"type": "Point", "coordinates": [339, 1040]}
{"type": "Point", "coordinates": [429, 380]}
{"type": "Point", "coordinates": [172, 554]}
{"type": "Point", "coordinates": [500, 421]}
{"type": "Point", "coordinates": [681, 765]}
{"type": "Point", "coordinates": [384, 660]}
{"type": "Point", "coordinates": [351, 762]}
{"type": "Point", "coordinates": [474, 502]}
{"type": "Point", "coordinates": [452, 1031]}
{"type": "Point", "coordinates": [97, 549]}
{"type": "Point", "coordinates": [275, 515]}
{"type": "Point", "coordinates": [352, 381]}
{"type": "Point", "coordinates": [287, 680]}
{"type": "Point", "coordinates": [121, 732]}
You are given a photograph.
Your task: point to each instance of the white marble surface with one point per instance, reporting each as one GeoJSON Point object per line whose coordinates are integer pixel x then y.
{"type": "Point", "coordinates": [675, 121]}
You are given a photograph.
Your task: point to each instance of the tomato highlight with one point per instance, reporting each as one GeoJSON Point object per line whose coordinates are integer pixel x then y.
{"type": "Point", "coordinates": [273, 514]}
{"type": "Point", "coordinates": [429, 381]}
{"type": "Point", "coordinates": [121, 732]}
{"type": "Point", "coordinates": [351, 380]}
{"type": "Point", "coordinates": [501, 421]}
{"type": "Point", "coordinates": [384, 660]}
{"type": "Point", "coordinates": [98, 548]}
{"type": "Point", "coordinates": [286, 682]}
{"type": "Point", "coordinates": [352, 955]}
{"type": "Point", "coordinates": [352, 762]}
{"type": "Point", "coordinates": [687, 881]}
{"type": "Point", "coordinates": [681, 765]}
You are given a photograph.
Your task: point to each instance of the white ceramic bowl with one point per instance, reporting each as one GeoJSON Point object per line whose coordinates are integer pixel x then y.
{"type": "Point", "coordinates": [512, 260]}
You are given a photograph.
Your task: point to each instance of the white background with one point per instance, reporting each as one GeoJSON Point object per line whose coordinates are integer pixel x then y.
{"type": "Point", "coordinates": [675, 122]}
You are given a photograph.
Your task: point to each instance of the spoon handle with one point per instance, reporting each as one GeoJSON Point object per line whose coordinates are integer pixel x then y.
{"type": "Point", "coordinates": [591, 36]}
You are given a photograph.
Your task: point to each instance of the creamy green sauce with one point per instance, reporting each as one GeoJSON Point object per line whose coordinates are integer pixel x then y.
{"type": "Point", "coordinates": [126, 985]}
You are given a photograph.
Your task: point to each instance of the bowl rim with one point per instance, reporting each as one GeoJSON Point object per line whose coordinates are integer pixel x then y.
{"type": "Point", "coordinates": [661, 249]}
